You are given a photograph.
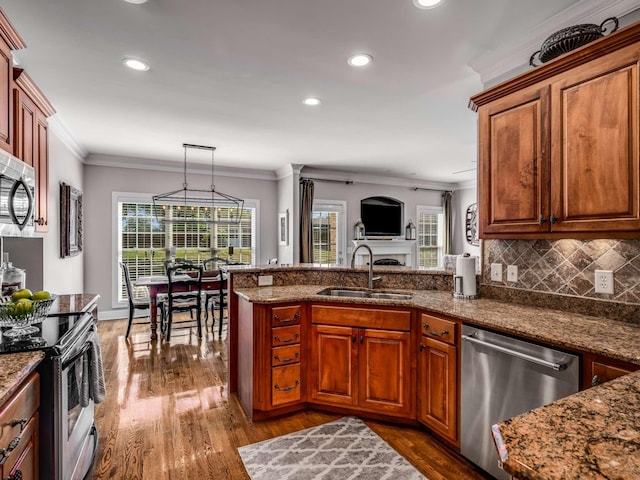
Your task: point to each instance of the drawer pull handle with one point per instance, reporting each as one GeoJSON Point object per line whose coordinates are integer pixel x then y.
{"type": "Point", "coordinates": [287, 320]}
{"type": "Point", "coordinates": [286, 389]}
{"type": "Point", "coordinates": [444, 332]}
{"type": "Point", "coordinates": [288, 359]}
{"type": "Point", "coordinates": [5, 452]}
{"type": "Point", "coordinates": [287, 340]}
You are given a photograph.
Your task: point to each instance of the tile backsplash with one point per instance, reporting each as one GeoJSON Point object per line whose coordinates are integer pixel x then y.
{"type": "Point", "coordinates": [567, 266]}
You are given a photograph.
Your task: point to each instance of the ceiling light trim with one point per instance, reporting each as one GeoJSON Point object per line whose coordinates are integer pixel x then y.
{"type": "Point", "coordinates": [493, 64]}
{"type": "Point", "coordinates": [312, 101]}
{"type": "Point", "coordinates": [430, 4]}
{"type": "Point", "coordinates": [359, 60]}
{"type": "Point", "coordinates": [136, 64]}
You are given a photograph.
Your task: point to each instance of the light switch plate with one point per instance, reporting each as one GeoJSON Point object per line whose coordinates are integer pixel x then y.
{"type": "Point", "coordinates": [512, 273]}
{"type": "Point", "coordinates": [265, 280]}
{"type": "Point", "coordinates": [496, 272]}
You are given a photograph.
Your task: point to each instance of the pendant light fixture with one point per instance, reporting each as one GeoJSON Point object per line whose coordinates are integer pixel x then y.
{"type": "Point", "coordinates": [191, 198]}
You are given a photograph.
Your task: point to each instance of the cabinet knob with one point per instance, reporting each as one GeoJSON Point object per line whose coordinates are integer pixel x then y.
{"type": "Point", "coordinates": [361, 338]}
{"type": "Point", "coordinates": [553, 219]}
{"type": "Point", "coordinates": [41, 221]}
{"type": "Point", "coordinates": [541, 220]}
{"type": "Point", "coordinates": [595, 381]}
{"type": "Point", "coordinates": [422, 346]}
{"type": "Point", "coordinates": [353, 339]}
{"type": "Point", "coordinates": [425, 326]}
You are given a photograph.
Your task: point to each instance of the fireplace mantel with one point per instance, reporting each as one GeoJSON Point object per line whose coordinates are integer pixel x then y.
{"type": "Point", "coordinates": [399, 249]}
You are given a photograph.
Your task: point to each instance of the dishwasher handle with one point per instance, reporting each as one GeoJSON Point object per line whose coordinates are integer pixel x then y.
{"type": "Point", "coordinates": [529, 358]}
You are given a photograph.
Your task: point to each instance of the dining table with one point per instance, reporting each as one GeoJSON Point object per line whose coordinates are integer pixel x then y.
{"type": "Point", "coordinates": [159, 284]}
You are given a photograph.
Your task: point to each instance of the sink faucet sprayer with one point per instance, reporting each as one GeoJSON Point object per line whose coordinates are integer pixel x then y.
{"type": "Point", "coordinates": [353, 263]}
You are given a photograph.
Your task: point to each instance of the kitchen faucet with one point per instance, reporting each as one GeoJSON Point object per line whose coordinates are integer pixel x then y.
{"type": "Point", "coordinates": [353, 263]}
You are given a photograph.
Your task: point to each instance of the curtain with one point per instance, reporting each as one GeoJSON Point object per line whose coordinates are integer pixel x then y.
{"type": "Point", "coordinates": [306, 225]}
{"type": "Point", "coordinates": [448, 222]}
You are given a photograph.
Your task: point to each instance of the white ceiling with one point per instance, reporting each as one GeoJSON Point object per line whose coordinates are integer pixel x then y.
{"type": "Point", "coordinates": [233, 73]}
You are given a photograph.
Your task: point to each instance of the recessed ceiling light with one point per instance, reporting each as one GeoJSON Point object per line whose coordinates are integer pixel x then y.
{"type": "Point", "coordinates": [312, 101]}
{"type": "Point", "coordinates": [135, 64]}
{"type": "Point", "coordinates": [360, 60]}
{"type": "Point", "coordinates": [137, 2]}
{"type": "Point", "coordinates": [427, 3]}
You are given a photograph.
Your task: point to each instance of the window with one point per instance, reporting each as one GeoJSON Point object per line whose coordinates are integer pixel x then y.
{"type": "Point", "coordinates": [144, 240]}
{"type": "Point", "coordinates": [430, 233]}
{"type": "Point", "coordinates": [329, 232]}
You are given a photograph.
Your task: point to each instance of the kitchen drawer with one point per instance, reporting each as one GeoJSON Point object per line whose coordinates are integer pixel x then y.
{"type": "Point", "coordinates": [439, 328]}
{"type": "Point", "coordinates": [378, 318]}
{"type": "Point", "coordinates": [286, 384]}
{"type": "Point", "coordinates": [285, 355]}
{"type": "Point", "coordinates": [22, 405]}
{"type": "Point", "coordinates": [285, 335]}
{"type": "Point", "coordinates": [282, 316]}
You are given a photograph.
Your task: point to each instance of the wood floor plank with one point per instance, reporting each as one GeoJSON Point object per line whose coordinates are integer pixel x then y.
{"type": "Point", "coordinates": [168, 414]}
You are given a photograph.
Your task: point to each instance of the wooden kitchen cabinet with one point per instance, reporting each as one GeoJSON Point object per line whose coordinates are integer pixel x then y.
{"type": "Point", "coordinates": [360, 359]}
{"type": "Point", "coordinates": [271, 363]}
{"type": "Point", "coordinates": [31, 138]}
{"type": "Point", "coordinates": [19, 423]}
{"type": "Point", "coordinates": [599, 369]}
{"type": "Point", "coordinates": [438, 376]}
{"type": "Point", "coordinates": [9, 40]}
{"type": "Point", "coordinates": [559, 152]}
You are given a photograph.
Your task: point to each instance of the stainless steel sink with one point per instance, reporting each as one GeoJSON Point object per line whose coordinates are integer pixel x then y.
{"type": "Point", "coordinates": [342, 292]}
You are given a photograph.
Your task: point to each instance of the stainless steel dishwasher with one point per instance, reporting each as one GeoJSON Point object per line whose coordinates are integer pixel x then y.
{"type": "Point", "coordinates": [503, 377]}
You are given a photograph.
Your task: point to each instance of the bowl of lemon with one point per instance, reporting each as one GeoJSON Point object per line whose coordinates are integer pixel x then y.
{"type": "Point", "coordinates": [22, 310]}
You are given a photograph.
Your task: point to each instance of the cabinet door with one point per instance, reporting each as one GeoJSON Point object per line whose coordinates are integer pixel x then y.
{"type": "Point", "coordinates": [514, 163]}
{"type": "Point", "coordinates": [595, 154]}
{"type": "Point", "coordinates": [599, 369]}
{"type": "Point", "coordinates": [41, 159]}
{"type": "Point", "coordinates": [384, 371]}
{"type": "Point", "coordinates": [438, 388]}
{"type": "Point", "coordinates": [334, 358]}
{"type": "Point", "coordinates": [24, 127]}
{"type": "Point", "coordinates": [6, 83]}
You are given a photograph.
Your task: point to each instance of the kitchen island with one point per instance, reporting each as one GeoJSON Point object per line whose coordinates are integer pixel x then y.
{"type": "Point", "coordinates": [587, 334]}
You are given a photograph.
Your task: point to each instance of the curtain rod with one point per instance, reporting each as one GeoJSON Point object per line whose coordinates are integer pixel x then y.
{"type": "Point", "coordinates": [431, 189]}
{"type": "Point", "coordinates": [347, 182]}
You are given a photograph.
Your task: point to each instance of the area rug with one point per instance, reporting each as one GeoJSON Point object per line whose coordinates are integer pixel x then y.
{"type": "Point", "coordinates": [345, 449]}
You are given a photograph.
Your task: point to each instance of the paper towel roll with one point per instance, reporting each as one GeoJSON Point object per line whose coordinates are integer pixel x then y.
{"type": "Point", "coordinates": [466, 269]}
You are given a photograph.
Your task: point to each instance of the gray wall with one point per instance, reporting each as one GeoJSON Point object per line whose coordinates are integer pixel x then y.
{"type": "Point", "coordinates": [101, 182]}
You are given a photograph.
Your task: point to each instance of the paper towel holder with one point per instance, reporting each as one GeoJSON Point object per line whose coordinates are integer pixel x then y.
{"type": "Point", "coordinates": [458, 289]}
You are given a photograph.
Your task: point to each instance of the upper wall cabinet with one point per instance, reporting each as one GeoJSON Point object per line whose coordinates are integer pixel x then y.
{"type": "Point", "coordinates": [31, 137]}
{"type": "Point", "coordinates": [9, 40]}
{"type": "Point", "coordinates": [558, 146]}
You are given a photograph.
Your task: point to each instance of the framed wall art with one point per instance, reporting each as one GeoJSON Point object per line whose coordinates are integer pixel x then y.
{"type": "Point", "coordinates": [471, 224]}
{"type": "Point", "coordinates": [283, 227]}
{"type": "Point", "coordinates": [70, 221]}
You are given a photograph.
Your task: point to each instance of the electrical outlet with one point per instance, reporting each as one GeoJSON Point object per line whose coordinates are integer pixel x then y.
{"type": "Point", "coordinates": [496, 272]}
{"type": "Point", "coordinates": [512, 273]}
{"type": "Point", "coordinates": [265, 280]}
{"type": "Point", "coordinates": [604, 281]}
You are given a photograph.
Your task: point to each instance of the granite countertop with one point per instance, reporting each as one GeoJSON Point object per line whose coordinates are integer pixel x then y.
{"type": "Point", "coordinates": [563, 329]}
{"type": "Point", "coordinates": [594, 434]}
{"type": "Point", "coordinates": [73, 303]}
{"type": "Point", "coordinates": [15, 368]}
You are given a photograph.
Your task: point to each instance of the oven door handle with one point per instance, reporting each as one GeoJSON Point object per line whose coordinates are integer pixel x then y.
{"type": "Point", "coordinates": [12, 196]}
{"type": "Point", "coordinates": [75, 358]}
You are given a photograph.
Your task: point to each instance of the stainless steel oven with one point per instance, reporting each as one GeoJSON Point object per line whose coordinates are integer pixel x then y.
{"type": "Point", "coordinates": [17, 197]}
{"type": "Point", "coordinates": [68, 437]}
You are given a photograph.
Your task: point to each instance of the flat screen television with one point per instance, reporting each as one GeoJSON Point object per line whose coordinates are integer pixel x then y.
{"type": "Point", "coordinates": [382, 216]}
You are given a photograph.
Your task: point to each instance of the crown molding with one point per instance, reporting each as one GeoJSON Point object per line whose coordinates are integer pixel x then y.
{"type": "Point", "coordinates": [492, 65]}
{"type": "Point", "coordinates": [60, 129]}
{"type": "Point", "coordinates": [28, 86]}
{"type": "Point", "coordinates": [10, 34]}
{"type": "Point", "coordinates": [116, 161]}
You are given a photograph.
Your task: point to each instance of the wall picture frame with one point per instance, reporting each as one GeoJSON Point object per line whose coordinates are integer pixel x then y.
{"type": "Point", "coordinates": [70, 221]}
{"type": "Point", "coordinates": [283, 227]}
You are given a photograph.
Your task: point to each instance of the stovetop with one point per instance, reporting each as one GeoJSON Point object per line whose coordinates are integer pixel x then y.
{"type": "Point", "coordinates": [52, 335]}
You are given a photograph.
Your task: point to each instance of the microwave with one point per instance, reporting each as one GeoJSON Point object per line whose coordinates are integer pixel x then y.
{"type": "Point", "coordinates": [17, 197]}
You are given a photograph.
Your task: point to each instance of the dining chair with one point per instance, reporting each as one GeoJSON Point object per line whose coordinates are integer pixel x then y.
{"type": "Point", "coordinates": [184, 294]}
{"type": "Point", "coordinates": [135, 302]}
{"type": "Point", "coordinates": [212, 297]}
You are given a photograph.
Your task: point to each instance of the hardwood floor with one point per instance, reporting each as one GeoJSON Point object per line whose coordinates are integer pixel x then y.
{"type": "Point", "coordinates": [168, 414]}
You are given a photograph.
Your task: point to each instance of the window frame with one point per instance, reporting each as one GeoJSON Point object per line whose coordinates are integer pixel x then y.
{"type": "Point", "coordinates": [116, 246]}
{"type": "Point", "coordinates": [340, 207]}
{"type": "Point", "coordinates": [430, 209]}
